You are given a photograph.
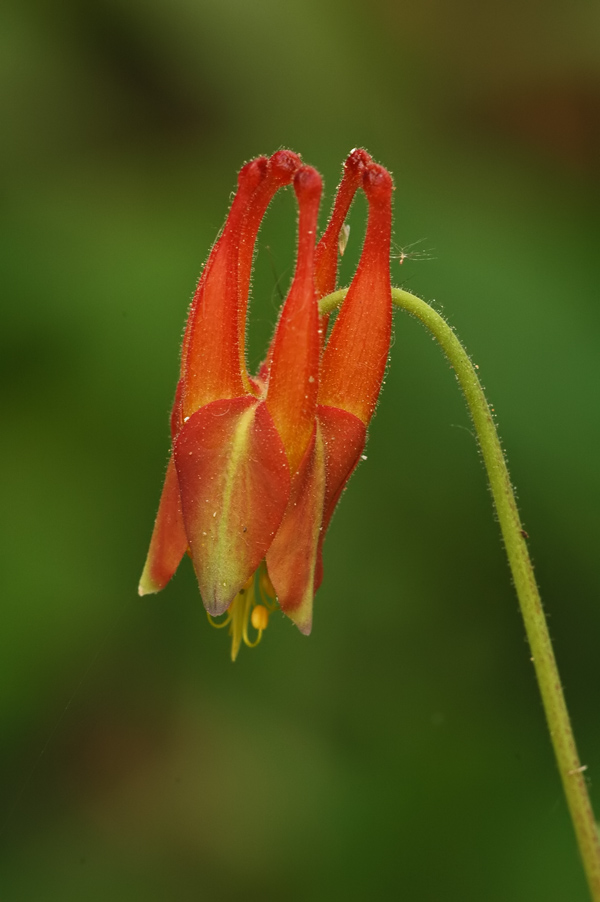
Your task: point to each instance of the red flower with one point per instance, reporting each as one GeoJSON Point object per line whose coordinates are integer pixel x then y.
{"type": "Point", "coordinates": [258, 465]}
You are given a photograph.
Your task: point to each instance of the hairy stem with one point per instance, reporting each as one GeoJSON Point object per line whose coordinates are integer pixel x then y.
{"type": "Point", "coordinates": [559, 725]}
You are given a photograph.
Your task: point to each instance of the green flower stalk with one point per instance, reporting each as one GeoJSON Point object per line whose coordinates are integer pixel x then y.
{"type": "Point", "coordinates": [513, 534]}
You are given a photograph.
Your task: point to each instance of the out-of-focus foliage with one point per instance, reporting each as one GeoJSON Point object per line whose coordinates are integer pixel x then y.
{"type": "Point", "coordinates": [400, 751]}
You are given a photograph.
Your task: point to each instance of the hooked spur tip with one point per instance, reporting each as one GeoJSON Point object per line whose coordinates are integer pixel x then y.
{"type": "Point", "coordinates": [253, 173]}
{"type": "Point", "coordinates": [377, 183]}
{"type": "Point", "coordinates": [357, 159]}
{"type": "Point", "coordinates": [308, 183]}
{"type": "Point", "coordinates": [283, 165]}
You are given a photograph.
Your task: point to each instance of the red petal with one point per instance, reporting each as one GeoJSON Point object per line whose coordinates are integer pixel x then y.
{"type": "Point", "coordinates": [292, 557]}
{"type": "Point", "coordinates": [169, 541]}
{"type": "Point", "coordinates": [234, 482]}
{"type": "Point", "coordinates": [211, 365]}
{"type": "Point", "coordinates": [281, 169]}
{"type": "Point", "coordinates": [355, 357]}
{"type": "Point", "coordinates": [294, 370]}
{"type": "Point", "coordinates": [344, 437]}
{"type": "Point", "coordinates": [326, 255]}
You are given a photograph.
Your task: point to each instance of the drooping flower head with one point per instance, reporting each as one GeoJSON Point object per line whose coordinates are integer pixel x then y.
{"type": "Point", "coordinates": [258, 464]}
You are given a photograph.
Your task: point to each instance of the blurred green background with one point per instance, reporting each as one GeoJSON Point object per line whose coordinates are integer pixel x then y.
{"type": "Point", "coordinates": [400, 751]}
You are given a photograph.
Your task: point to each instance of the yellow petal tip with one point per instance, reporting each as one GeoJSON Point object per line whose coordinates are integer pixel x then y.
{"type": "Point", "coordinates": [147, 586]}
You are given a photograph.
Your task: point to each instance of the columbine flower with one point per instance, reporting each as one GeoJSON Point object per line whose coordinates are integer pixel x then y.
{"type": "Point", "coordinates": [258, 464]}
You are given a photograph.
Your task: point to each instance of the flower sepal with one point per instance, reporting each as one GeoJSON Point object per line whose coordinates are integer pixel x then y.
{"type": "Point", "coordinates": [234, 481]}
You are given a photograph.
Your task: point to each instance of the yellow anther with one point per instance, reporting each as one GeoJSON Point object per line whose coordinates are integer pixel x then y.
{"type": "Point", "coordinates": [259, 617]}
{"type": "Point", "coordinates": [251, 606]}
